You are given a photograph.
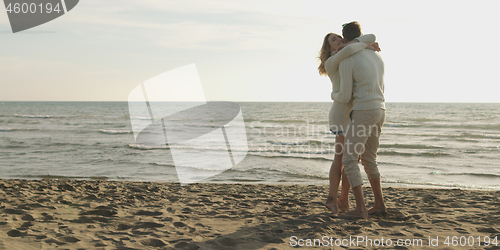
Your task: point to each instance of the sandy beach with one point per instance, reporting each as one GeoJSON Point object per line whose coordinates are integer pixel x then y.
{"type": "Point", "coordinates": [76, 214]}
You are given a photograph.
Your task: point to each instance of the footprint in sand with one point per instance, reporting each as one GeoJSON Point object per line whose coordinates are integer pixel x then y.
{"type": "Point", "coordinates": [446, 222]}
{"type": "Point", "coordinates": [15, 233]}
{"type": "Point", "coordinates": [461, 230]}
{"type": "Point", "coordinates": [122, 227]}
{"type": "Point", "coordinates": [148, 213]}
{"type": "Point", "coordinates": [52, 240]}
{"type": "Point", "coordinates": [153, 242]}
{"type": "Point", "coordinates": [13, 211]}
{"type": "Point", "coordinates": [148, 225]}
{"type": "Point", "coordinates": [179, 224]}
{"type": "Point", "coordinates": [25, 225]}
{"type": "Point", "coordinates": [47, 217]}
{"type": "Point", "coordinates": [167, 219]}
{"type": "Point", "coordinates": [27, 217]}
{"type": "Point", "coordinates": [102, 211]}
{"type": "Point", "coordinates": [487, 230]}
{"type": "Point", "coordinates": [68, 239]}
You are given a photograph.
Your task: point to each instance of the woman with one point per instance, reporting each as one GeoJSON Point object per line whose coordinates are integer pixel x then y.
{"type": "Point", "coordinates": [339, 113]}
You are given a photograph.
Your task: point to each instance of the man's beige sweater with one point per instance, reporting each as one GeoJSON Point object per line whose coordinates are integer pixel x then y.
{"type": "Point", "coordinates": [362, 79]}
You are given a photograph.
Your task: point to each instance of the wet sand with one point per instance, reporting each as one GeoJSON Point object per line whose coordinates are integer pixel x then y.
{"type": "Point", "coordinates": [75, 214]}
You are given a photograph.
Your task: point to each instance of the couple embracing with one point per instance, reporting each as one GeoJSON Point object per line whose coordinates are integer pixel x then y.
{"type": "Point", "coordinates": [356, 71]}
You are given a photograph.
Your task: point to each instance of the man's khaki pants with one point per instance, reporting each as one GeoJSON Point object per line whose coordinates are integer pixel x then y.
{"type": "Point", "coordinates": [362, 138]}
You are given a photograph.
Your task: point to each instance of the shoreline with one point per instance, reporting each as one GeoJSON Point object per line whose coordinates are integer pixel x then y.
{"type": "Point", "coordinates": [259, 182]}
{"type": "Point", "coordinates": [62, 214]}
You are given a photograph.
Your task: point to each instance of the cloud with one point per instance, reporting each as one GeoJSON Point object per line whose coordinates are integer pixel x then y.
{"type": "Point", "coordinates": [199, 25]}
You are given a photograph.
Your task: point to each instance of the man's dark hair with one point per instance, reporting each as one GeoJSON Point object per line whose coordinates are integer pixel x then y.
{"type": "Point", "coordinates": [351, 30]}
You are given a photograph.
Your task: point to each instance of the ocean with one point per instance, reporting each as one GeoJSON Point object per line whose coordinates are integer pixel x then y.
{"type": "Point", "coordinates": [448, 145]}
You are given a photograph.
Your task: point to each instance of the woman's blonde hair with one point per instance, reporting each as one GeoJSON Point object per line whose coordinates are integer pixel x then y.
{"type": "Point", "coordinates": [324, 53]}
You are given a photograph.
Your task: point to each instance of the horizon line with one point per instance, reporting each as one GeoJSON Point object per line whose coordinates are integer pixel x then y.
{"type": "Point", "coordinates": [286, 102]}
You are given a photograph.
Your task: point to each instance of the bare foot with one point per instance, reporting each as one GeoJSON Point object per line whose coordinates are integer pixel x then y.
{"type": "Point", "coordinates": [356, 213]}
{"type": "Point", "coordinates": [377, 210]}
{"type": "Point", "coordinates": [344, 205]}
{"type": "Point", "coordinates": [332, 205]}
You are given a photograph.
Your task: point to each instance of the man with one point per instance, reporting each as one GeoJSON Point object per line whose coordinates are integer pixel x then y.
{"type": "Point", "coordinates": [362, 79]}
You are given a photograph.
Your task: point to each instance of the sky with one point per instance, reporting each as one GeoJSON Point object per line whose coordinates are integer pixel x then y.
{"type": "Point", "coordinates": [259, 50]}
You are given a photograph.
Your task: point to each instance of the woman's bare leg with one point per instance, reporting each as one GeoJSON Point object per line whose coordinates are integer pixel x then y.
{"type": "Point", "coordinates": [344, 193]}
{"type": "Point", "coordinates": [335, 174]}
{"type": "Point", "coordinates": [343, 200]}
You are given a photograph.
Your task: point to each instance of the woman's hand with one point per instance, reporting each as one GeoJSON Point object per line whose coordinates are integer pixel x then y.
{"type": "Point", "coordinates": [341, 46]}
{"type": "Point", "coordinates": [373, 46]}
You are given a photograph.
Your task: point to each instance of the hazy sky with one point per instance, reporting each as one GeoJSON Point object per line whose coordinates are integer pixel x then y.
{"type": "Point", "coordinates": [434, 51]}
